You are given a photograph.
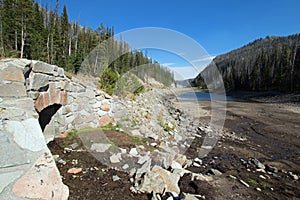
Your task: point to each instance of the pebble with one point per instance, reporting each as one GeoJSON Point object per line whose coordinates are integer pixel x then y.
{"type": "Point", "coordinates": [116, 178]}
{"type": "Point", "coordinates": [261, 170]}
{"type": "Point", "coordinates": [196, 164]}
{"type": "Point", "coordinates": [67, 150]}
{"type": "Point", "coordinates": [126, 166]}
{"type": "Point", "coordinates": [123, 151]}
{"type": "Point", "coordinates": [115, 158]}
{"type": "Point", "coordinates": [153, 144]}
{"type": "Point", "coordinates": [293, 176]}
{"type": "Point", "coordinates": [74, 162]}
{"type": "Point", "coordinates": [232, 177]}
{"type": "Point", "coordinates": [216, 172]}
{"type": "Point", "coordinates": [133, 152]}
{"type": "Point", "coordinates": [258, 189]}
{"type": "Point", "coordinates": [244, 183]}
{"type": "Point", "coordinates": [61, 161]}
{"type": "Point", "coordinates": [258, 164]}
{"type": "Point", "coordinates": [261, 176]}
{"type": "Point", "coordinates": [74, 171]}
{"type": "Point", "coordinates": [198, 161]}
{"type": "Point", "coordinates": [188, 163]}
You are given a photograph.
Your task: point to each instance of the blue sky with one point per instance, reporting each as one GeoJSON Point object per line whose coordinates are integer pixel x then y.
{"type": "Point", "coordinates": [218, 26]}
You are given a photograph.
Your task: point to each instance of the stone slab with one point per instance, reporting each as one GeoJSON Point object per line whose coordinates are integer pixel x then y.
{"type": "Point", "coordinates": [13, 90]}
{"type": "Point", "coordinates": [27, 134]}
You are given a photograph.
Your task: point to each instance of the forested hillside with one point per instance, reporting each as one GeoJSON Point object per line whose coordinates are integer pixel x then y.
{"type": "Point", "coordinates": [270, 64]}
{"type": "Point", "coordinates": [32, 31]}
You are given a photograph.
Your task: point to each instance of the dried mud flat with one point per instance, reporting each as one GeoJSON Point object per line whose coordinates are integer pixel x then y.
{"type": "Point", "coordinates": [266, 132]}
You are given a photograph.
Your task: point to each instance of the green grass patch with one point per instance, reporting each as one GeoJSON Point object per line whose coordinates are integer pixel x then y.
{"type": "Point", "coordinates": [110, 127]}
{"type": "Point", "coordinates": [165, 125]}
{"type": "Point", "coordinates": [252, 182]}
{"type": "Point", "coordinates": [265, 185]}
{"type": "Point", "coordinates": [76, 132]}
{"type": "Point", "coordinates": [198, 149]}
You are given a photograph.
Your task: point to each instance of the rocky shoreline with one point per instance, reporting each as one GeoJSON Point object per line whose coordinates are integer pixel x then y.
{"type": "Point", "coordinates": [165, 162]}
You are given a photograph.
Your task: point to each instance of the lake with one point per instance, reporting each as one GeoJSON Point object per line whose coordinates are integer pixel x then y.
{"type": "Point", "coordinates": [204, 96]}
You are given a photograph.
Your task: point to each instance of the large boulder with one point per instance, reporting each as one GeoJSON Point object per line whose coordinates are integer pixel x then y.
{"type": "Point", "coordinates": [41, 181]}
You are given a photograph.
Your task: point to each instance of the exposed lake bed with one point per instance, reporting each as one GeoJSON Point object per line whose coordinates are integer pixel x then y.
{"type": "Point", "coordinates": [268, 128]}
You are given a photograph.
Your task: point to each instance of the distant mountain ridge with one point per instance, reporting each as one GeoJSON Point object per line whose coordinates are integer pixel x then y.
{"type": "Point", "coordinates": [269, 64]}
{"type": "Point", "coordinates": [184, 83]}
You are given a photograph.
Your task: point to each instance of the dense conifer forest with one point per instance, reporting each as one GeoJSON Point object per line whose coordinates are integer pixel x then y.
{"type": "Point", "coordinates": [269, 64]}
{"type": "Point", "coordinates": [33, 31]}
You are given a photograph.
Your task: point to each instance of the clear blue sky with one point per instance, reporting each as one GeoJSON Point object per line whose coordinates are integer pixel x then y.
{"type": "Point", "coordinates": [219, 26]}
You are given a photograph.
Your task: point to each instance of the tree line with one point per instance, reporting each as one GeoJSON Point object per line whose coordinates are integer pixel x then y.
{"type": "Point", "coordinates": [33, 31]}
{"type": "Point", "coordinates": [269, 64]}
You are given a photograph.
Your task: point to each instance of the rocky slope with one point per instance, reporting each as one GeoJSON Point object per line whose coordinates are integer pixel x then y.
{"type": "Point", "coordinates": [270, 64]}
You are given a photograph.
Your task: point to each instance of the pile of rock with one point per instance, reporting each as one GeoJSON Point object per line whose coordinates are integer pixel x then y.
{"type": "Point", "coordinates": [152, 115]}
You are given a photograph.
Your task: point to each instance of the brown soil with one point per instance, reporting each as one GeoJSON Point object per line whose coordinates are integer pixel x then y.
{"type": "Point", "coordinates": [96, 180]}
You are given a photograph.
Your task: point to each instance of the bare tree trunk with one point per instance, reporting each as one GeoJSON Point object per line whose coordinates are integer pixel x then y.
{"type": "Point", "coordinates": [48, 48]}
{"type": "Point", "coordinates": [16, 40]}
{"type": "Point", "coordinates": [96, 63]}
{"type": "Point", "coordinates": [70, 46]}
{"type": "Point", "coordinates": [1, 40]}
{"type": "Point", "coordinates": [292, 63]}
{"type": "Point", "coordinates": [22, 43]}
{"type": "Point", "coordinates": [51, 52]}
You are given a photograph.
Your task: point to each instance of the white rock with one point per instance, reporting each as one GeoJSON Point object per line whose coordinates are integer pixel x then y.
{"type": "Point", "coordinates": [116, 178]}
{"type": "Point", "coordinates": [293, 176]}
{"type": "Point", "coordinates": [115, 158]}
{"type": "Point", "coordinates": [143, 159]}
{"type": "Point", "coordinates": [144, 169]}
{"type": "Point", "coordinates": [123, 151]}
{"type": "Point", "coordinates": [101, 113]}
{"type": "Point", "coordinates": [133, 152]}
{"type": "Point", "coordinates": [38, 81]}
{"type": "Point", "coordinates": [262, 177]}
{"type": "Point", "coordinates": [153, 144]}
{"type": "Point", "coordinates": [196, 164]}
{"type": "Point", "coordinates": [152, 182]}
{"type": "Point", "coordinates": [100, 147]}
{"type": "Point", "coordinates": [232, 177]}
{"type": "Point", "coordinates": [244, 183]}
{"type": "Point", "coordinates": [198, 161]}
{"type": "Point", "coordinates": [171, 180]}
{"type": "Point", "coordinates": [216, 172]}
{"type": "Point", "coordinates": [126, 166]}
{"type": "Point", "coordinates": [176, 165]}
